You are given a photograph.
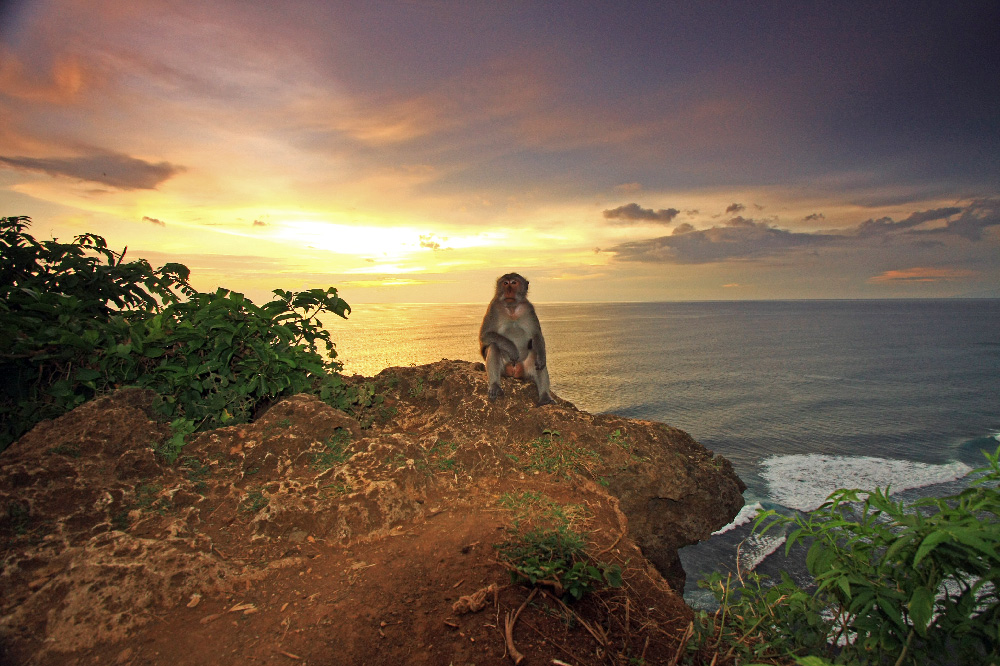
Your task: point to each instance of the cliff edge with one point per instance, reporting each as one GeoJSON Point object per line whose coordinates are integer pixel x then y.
{"type": "Point", "coordinates": [311, 536]}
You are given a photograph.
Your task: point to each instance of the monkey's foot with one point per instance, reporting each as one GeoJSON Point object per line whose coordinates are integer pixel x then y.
{"type": "Point", "coordinates": [546, 399]}
{"type": "Point", "coordinates": [495, 392]}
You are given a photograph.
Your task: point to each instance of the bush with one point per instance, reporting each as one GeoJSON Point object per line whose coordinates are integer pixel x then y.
{"type": "Point", "coordinates": [896, 583]}
{"type": "Point", "coordinates": [76, 320]}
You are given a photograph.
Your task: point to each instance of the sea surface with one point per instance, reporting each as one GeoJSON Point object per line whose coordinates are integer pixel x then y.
{"type": "Point", "coordinates": [804, 397]}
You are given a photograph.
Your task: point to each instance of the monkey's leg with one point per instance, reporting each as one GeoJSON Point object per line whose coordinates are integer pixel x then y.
{"type": "Point", "coordinates": [541, 379]}
{"type": "Point", "coordinates": [494, 371]}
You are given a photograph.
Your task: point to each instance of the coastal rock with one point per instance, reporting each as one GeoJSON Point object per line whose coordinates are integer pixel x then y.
{"type": "Point", "coordinates": [309, 517]}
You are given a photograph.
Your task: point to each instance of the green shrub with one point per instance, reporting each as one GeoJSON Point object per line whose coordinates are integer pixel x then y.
{"type": "Point", "coordinates": [76, 321]}
{"type": "Point", "coordinates": [896, 583]}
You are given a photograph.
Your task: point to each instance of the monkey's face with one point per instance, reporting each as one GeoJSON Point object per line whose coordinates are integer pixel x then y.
{"type": "Point", "coordinates": [512, 288]}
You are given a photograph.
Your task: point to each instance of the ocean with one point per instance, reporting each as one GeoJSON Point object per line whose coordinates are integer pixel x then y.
{"type": "Point", "coordinates": [804, 397]}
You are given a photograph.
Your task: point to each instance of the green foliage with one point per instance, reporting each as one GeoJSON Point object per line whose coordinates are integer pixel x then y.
{"type": "Point", "coordinates": [896, 583]}
{"type": "Point", "coordinates": [620, 439]}
{"type": "Point", "coordinates": [335, 450]}
{"type": "Point", "coordinates": [439, 458]}
{"type": "Point", "coordinates": [76, 321]}
{"type": "Point", "coordinates": [544, 548]}
{"type": "Point", "coordinates": [550, 453]}
{"type": "Point", "coordinates": [362, 400]}
{"type": "Point", "coordinates": [253, 502]}
{"type": "Point", "coordinates": [61, 304]}
{"type": "Point", "coordinates": [171, 449]}
{"type": "Point", "coordinates": [216, 356]}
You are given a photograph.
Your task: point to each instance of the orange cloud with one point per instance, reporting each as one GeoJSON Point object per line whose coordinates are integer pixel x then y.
{"type": "Point", "coordinates": [923, 275]}
{"type": "Point", "coordinates": [59, 86]}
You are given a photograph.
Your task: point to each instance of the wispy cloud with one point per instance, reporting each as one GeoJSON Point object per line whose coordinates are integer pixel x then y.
{"type": "Point", "coordinates": [60, 84]}
{"type": "Point", "coordinates": [633, 212]}
{"type": "Point", "coordinates": [919, 274]}
{"type": "Point", "coordinates": [112, 169]}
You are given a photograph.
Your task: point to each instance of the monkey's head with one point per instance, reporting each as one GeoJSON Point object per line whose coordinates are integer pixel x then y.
{"type": "Point", "coordinates": [511, 288]}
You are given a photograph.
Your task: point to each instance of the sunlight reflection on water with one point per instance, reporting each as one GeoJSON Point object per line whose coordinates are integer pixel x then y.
{"type": "Point", "coordinates": [375, 337]}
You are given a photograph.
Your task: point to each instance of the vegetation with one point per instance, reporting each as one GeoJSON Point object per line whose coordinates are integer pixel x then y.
{"type": "Point", "coordinates": [543, 547]}
{"type": "Point", "coordinates": [77, 320]}
{"type": "Point", "coordinates": [551, 454]}
{"type": "Point", "coordinates": [896, 583]}
{"type": "Point", "coordinates": [336, 450]}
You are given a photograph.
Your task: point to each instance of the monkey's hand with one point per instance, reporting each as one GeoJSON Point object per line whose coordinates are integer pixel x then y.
{"type": "Point", "coordinates": [539, 363]}
{"type": "Point", "coordinates": [509, 351]}
{"type": "Point", "coordinates": [495, 392]}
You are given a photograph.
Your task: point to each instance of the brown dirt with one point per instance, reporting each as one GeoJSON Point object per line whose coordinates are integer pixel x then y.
{"type": "Point", "coordinates": [255, 548]}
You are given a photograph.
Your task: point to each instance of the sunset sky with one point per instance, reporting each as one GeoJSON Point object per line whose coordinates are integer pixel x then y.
{"type": "Point", "coordinates": [609, 151]}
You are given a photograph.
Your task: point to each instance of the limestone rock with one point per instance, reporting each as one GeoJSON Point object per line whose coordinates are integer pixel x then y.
{"type": "Point", "coordinates": [100, 536]}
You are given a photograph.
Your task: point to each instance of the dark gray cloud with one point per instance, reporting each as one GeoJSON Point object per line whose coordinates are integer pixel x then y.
{"type": "Point", "coordinates": [735, 208]}
{"type": "Point", "coordinates": [633, 212]}
{"type": "Point", "coordinates": [153, 220]}
{"type": "Point", "coordinates": [112, 169]}
{"type": "Point", "coordinates": [971, 222]}
{"type": "Point", "coordinates": [742, 239]}
{"type": "Point", "coordinates": [739, 239]}
{"type": "Point", "coordinates": [814, 217]}
{"type": "Point", "coordinates": [887, 225]}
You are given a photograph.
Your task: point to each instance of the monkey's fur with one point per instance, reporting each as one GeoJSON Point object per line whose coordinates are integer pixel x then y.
{"type": "Point", "coordinates": [511, 341]}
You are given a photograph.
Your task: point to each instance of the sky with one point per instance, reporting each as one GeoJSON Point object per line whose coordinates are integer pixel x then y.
{"type": "Point", "coordinates": [413, 151]}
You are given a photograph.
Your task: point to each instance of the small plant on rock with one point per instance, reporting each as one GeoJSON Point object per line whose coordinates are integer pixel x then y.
{"type": "Point", "coordinates": [552, 454]}
{"type": "Point", "coordinates": [336, 450]}
{"type": "Point", "coordinates": [544, 548]}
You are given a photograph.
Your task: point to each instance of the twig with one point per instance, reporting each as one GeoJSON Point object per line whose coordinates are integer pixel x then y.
{"type": "Point", "coordinates": [613, 544]}
{"type": "Point", "coordinates": [688, 633]}
{"type": "Point", "coordinates": [601, 639]}
{"type": "Point", "coordinates": [509, 629]}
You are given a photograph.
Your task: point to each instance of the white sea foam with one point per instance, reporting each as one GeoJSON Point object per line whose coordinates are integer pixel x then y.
{"type": "Point", "coordinates": [756, 548]}
{"type": "Point", "coordinates": [804, 482]}
{"type": "Point", "coordinates": [746, 514]}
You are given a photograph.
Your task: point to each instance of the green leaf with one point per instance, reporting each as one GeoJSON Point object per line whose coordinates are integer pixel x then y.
{"type": "Point", "coordinates": [971, 536]}
{"type": "Point", "coordinates": [930, 542]}
{"type": "Point", "coordinates": [86, 374]}
{"type": "Point", "coordinates": [921, 609]}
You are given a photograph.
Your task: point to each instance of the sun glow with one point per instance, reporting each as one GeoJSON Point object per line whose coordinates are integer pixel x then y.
{"type": "Point", "coordinates": [384, 244]}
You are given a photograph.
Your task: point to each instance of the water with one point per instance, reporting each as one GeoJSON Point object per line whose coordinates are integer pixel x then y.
{"type": "Point", "coordinates": [802, 396]}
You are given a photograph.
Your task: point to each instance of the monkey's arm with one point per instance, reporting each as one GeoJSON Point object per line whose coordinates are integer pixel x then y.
{"type": "Point", "coordinates": [538, 345]}
{"type": "Point", "coordinates": [507, 348]}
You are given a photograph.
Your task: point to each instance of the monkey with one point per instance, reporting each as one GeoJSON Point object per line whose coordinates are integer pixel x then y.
{"type": "Point", "coordinates": [511, 341]}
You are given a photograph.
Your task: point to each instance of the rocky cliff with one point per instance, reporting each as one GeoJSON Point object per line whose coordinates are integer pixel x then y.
{"type": "Point", "coordinates": [309, 536]}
